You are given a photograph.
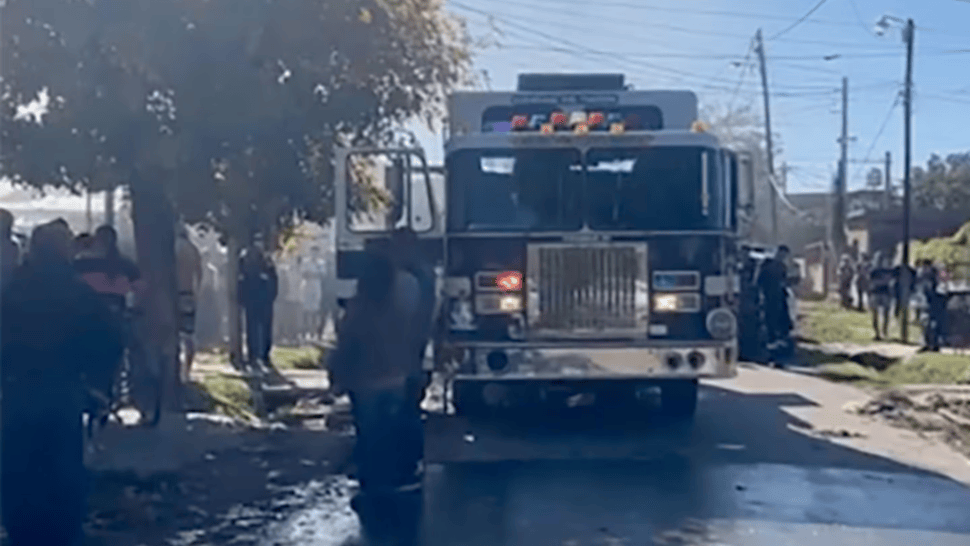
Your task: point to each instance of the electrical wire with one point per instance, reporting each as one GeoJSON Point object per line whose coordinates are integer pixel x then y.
{"type": "Point", "coordinates": [726, 13]}
{"type": "Point", "coordinates": [858, 16]}
{"type": "Point", "coordinates": [746, 66]}
{"type": "Point", "coordinates": [875, 139]}
{"type": "Point", "coordinates": [585, 51]}
{"type": "Point", "coordinates": [799, 21]}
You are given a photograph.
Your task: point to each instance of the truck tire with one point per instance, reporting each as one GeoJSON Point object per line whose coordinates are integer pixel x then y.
{"type": "Point", "coordinates": [467, 398]}
{"type": "Point", "coordinates": [678, 399]}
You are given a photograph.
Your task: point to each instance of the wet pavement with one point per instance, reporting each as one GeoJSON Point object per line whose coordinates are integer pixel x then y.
{"type": "Point", "coordinates": [751, 472]}
{"type": "Point", "coordinates": [773, 458]}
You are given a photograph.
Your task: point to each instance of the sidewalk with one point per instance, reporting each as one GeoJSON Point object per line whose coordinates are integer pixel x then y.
{"type": "Point", "coordinates": [186, 438]}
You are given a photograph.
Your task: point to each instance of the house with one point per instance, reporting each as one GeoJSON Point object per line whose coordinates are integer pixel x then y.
{"type": "Point", "coordinates": [882, 230]}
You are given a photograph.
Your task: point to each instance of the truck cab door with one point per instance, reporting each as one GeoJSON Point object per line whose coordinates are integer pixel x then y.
{"type": "Point", "coordinates": [379, 190]}
{"type": "Point", "coordinates": [742, 190]}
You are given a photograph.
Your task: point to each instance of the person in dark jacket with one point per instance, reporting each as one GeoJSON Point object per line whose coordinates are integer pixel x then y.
{"type": "Point", "coordinates": [9, 249]}
{"type": "Point", "coordinates": [374, 360]}
{"type": "Point", "coordinates": [56, 335]}
{"type": "Point", "coordinates": [934, 315]}
{"type": "Point", "coordinates": [406, 255]}
{"type": "Point", "coordinates": [773, 282]}
{"type": "Point", "coordinates": [257, 290]}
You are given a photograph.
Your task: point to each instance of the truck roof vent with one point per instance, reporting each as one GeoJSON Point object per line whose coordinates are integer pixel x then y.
{"type": "Point", "coordinates": [571, 82]}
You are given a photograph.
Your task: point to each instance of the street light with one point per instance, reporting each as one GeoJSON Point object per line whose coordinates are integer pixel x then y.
{"type": "Point", "coordinates": [909, 30]}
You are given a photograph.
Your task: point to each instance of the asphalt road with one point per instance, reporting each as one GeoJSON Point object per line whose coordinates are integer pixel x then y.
{"type": "Point", "coordinates": [773, 459]}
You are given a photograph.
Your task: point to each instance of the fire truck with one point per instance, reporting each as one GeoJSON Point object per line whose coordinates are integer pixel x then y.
{"type": "Point", "coordinates": [584, 236]}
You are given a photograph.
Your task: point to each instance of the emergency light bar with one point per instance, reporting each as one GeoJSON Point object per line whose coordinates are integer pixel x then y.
{"type": "Point", "coordinates": [579, 122]}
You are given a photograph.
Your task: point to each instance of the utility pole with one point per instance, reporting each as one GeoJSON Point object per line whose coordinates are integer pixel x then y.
{"type": "Point", "coordinates": [769, 147]}
{"type": "Point", "coordinates": [908, 36]}
{"type": "Point", "coordinates": [838, 214]}
{"type": "Point", "coordinates": [109, 206]}
{"type": "Point", "coordinates": [888, 197]}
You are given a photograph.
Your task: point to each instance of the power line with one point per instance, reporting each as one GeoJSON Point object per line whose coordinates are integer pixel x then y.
{"type": "Point", "coordinates": [729, 57]}
{"type": "Point", "coordinates": [858, 16]}
{"type": "Point", "coordinates": [746, 65]}
{"type": "Point", "coordinates": [875, 139]}
{"type": "Point", "coordinates": [585, 51]}
{"type": "Point", "coordinates": [585, 18]}
{"type": "Point", "coordinates": [726, 13]}
{"type": "Point", "coordinates": [799, 20]}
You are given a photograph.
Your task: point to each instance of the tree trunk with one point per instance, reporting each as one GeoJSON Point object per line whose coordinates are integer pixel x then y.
{"type": "Point", "coordinates": [235, 323]}
{"type": "Point", "coordinates": [154, 220]}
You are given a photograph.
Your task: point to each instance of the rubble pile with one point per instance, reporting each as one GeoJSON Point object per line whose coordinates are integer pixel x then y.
{"type": "Point", "coordinates": [943, 410]}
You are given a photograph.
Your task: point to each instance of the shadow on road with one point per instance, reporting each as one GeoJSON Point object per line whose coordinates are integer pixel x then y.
{"type": "Point", "coordinates": [583, 480]}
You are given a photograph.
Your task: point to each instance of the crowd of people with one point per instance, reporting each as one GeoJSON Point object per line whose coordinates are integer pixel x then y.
{"type": "Point", "coordinates": [61, 339]}
{"type": "Point", "coordinates": [68, 306]}
{"type": "Point", "coordinates": [876, 284]}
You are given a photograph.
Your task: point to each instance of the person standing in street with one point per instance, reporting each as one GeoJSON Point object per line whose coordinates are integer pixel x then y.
{"type": "Point", "coordinates": [933, 317]}
{"type": "Point", "coordinates": [9, 249]}
{"type": "Point", "coordinates": [374, 360]}
{"type": "Point", "coordinates": [862, 278]}
{"type": "Point", "coordinates": [57, 334]}
{"type": "Point", "coordinates": [846, 272]}
{"type": "Point", "coordinates": [257, 289]}
{"type": "Point", "coordinates": [188, 263]}
{"type": "Point", "coordinates": [880, 295]}
{"type": "Point", "coordinates": [773, 283]}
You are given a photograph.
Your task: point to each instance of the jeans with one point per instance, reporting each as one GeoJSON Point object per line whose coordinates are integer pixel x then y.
{"type": "Point", "coordinates": [388, 430]}
{"type": "Point", "coordinates": [259, 332]}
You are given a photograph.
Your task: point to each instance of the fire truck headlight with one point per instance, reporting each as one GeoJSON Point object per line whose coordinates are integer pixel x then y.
{"type": "Point", "coordinates": [722, 324]}
{"type": "Point", "coordinates": [510, 304]}
{"type": "Point", "coordinates": [498, 304]}
{"type": "Point", "coordinates": [676, 303]}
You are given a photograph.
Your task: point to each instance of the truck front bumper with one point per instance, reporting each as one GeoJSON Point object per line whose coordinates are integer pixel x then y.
{"type": "Point", "coordinates": [556, 361]}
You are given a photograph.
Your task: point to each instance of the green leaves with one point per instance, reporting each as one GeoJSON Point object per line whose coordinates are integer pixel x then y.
{"type": "Point", "coordinates": [944, 184]}
{"type": "Point", "coordinates": [260, 88]}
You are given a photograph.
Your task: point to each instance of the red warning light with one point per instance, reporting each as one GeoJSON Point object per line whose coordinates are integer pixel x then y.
{"type": "Point", "coordinates": [520, 122]}
{"type": "Point", "coordinates": [596, 119]}
{"type": "Point", "coordinates": [559, 119]}
{"type": "Point", "coordinates": [509, 281]}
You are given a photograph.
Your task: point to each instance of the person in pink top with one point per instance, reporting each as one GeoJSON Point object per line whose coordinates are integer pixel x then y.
{"type": "Point", "coordinates": [107, 271]}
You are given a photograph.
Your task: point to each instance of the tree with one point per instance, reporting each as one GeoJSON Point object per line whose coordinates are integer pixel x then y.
{"type": "Point", "coordinates": [222, 111]}
{"type": "Point", "coordinates": [943, 184]}
{"type": "Point", "coordinates": [874, 179]}
{"type": "Point", "coordinates": [740, 128]}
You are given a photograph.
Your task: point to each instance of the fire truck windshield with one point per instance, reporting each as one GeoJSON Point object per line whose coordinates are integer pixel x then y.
{"type": "Point", "coordinates": [652, 189]}
{"type": "Point", "coordinates": [556, 190]}
{"type": "Point", "coordinates": [511, 190]}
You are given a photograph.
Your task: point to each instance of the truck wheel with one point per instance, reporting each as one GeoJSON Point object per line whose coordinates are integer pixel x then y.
{"type": "Point", "coordinates": [678, 399]}
{"type": "Point", "coordinates": [467, 399]}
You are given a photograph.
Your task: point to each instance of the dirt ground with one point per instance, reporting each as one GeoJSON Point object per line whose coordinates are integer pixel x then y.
{"type": "Point", "coordinates": [201, 502]}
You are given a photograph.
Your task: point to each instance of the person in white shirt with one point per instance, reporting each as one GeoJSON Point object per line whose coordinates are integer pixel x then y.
{"type": "Point", "coordinates": [189, 271]}
{"type": "Point", "coordinates": [312, 274]}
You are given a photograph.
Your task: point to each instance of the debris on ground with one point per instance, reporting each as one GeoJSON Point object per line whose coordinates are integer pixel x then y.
{"type": "Point", "coordinates": [935, 409]}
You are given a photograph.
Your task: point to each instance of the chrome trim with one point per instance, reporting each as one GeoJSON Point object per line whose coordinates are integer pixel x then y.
{"type": "Point", "coordinates": [565, 234]}
{"type": "Point", "coordinates": [705, 190]}
{"type": "Point", "coordinates": [617, 363]}
{"type": "Point", "coordinates": [587, 290]}
{"type": "Point", "coordinates": [582, 142]}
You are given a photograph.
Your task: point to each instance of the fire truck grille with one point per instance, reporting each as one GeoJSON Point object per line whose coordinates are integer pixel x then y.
{"type": "Point", "coordinates": [588, 289]}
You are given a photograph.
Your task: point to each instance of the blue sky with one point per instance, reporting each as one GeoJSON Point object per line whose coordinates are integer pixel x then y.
{"type": "Point", "coordinates": [703, 45]}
